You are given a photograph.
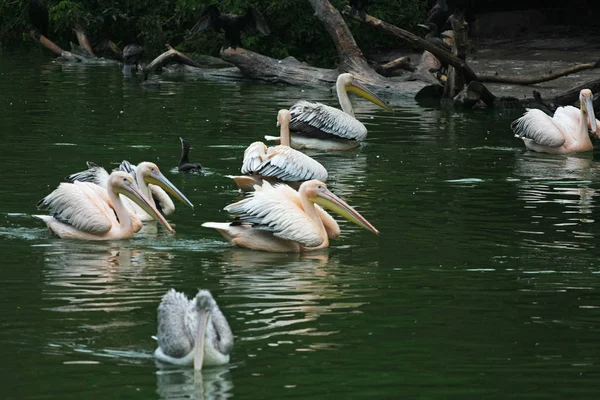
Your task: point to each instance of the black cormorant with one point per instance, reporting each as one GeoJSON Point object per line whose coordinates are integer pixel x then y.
{"type": "Point", "coordinates": [184, 164]}
{"type": "Point", "coordinates": [131, 56]}
{"type": "Point", "coordinates": [233, 25]}
{"type": "Point", "coordinates": [433, 37]}
{"type": "Point", "coordinates": [38, 15]}
{"type": "Point", "coordinates": [360, 7]}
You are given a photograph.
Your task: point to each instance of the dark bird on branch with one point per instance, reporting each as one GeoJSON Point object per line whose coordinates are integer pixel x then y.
{"type": "Point", "coordinates": [184, 164]}
{"type": "Point", "coordinates": [251, 22]}
{"type": "Point", "coordinates": [38, 15]}
{"type": "Point", "coordinates": [360, 7]}
{"type": "Point", "coordinates": [438, 14]}
{"type": "Point", "coordinates": [433, 36]}
{"type": "Point", "coordinates": [132, 53]}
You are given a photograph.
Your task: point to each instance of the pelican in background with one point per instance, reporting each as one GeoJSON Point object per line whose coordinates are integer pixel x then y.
{"type": "Point", "coordinates": [151, 182]}
{"type": "Point", "coordinates": [184, 163]}
{"type": "Point", "coordinates": [278, 163]}
{"type": "Point", "coordinates": [83, 210]}
{"type": "Point", "coordinates": [565, 132]}
{"type": "Point", "coordinates": [233, 25]}
{"type": "Point", "coordinates": [279, 219]}
{"type": "Point", "coordinates": [192, 332]}
{"type": "Point", "coordinates": [318, 126]}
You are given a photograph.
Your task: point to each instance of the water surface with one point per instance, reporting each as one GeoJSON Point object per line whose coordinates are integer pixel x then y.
{"type": "Point", "coordinates": [484, 282]}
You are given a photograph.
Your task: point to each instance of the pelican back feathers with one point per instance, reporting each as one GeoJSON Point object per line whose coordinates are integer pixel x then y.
{"type": "Point", "coordinates": [77, 204]}
{"type": "Point", "coordinates": [320, 120]}
{"type": "Point", "coordinates": [278, 209]}
{"type": "Point", "coordinates": [281, 162]}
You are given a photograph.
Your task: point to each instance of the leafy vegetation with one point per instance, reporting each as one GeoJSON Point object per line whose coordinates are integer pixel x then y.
{"type": "Point", "coordinates": [153, 23]}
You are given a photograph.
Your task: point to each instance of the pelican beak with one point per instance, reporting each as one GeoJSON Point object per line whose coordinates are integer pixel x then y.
{"type": "Point", "coordinates": [138, 198]}
{"type": "Point", "coordinates": [339, 206]}
{"type": "Point", "coordinates": [361, 90]}
{"type": "Point", "coordinates": [588, 106]}
{"type": "Point", "coordinates": [203, 316]}
{"type": "Point", "coordinates": [158, 179]}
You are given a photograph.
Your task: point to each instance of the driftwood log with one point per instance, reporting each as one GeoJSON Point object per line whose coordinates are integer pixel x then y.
{"type": "Point", "coordinates": [389, 68]}
{"type": "Point", "coordinates": [171, 55]}
{"type": "Point", "coordinates": [50, 45]}
{"type": "Point", "coordinates": [530, 80]}
{"type": "Point", "coordinates": [455, 81]}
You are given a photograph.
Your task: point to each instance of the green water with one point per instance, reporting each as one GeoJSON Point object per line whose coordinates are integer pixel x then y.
{"type": "Point", "coordinates": [484, 282]}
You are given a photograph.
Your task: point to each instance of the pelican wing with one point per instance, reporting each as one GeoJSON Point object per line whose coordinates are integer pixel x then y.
{"type": "Point", "coordinates": [94, 174]}
{"type": "Point", "coordinates": [79, 205]}
{"type": "Point", "coordinates": [254, 156]}
{"type": "Point", "coordinates": [287, 164]}
{"type": "Point", "coordinates": [321, 121]}
{"type": "Point", "coordinates": [279, 210]}
{"type": "Point", "coordinates": [539, 127]}
{"type": "Point", "coordinates": [174, 336]}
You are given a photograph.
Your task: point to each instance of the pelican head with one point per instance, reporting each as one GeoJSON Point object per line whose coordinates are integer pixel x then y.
{"type": "Point", "coordinates": [152, 175]}
{"type": "Point", "coordinates": [203, 305]}
{"type": "Point", "coordinates": [349, 83]}
{"type": "Point", "coordinates": [587, 107]}
{"type": "Point", "coordinates": [123, 183]}
{"type": "Point", "coordinates": [317, 192]}
{"type": "Point", "coordinates": [283, 117]}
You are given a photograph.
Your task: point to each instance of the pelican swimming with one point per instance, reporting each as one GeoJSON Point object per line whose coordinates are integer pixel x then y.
{"type": "Point", "coordinates": [151, 182]}
{"type": "Point", "coordinates": [318, 126]}
{"type": "Point", "coordinates": [565, 132]}
{"type": "Point", "coordinates": [192, 332]}
{"type": "Point", "coordinates": [280, 219]}
{"type": "Point", "coordinates": [83, 210]}
{"type": "Point", "coordinates": [278, 163]}
{"type": "Point", "coordinates": [184, 162]}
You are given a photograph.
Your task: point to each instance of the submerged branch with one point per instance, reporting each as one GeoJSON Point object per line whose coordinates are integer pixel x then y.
{"type": "Point", "coordinates": [530, 80]}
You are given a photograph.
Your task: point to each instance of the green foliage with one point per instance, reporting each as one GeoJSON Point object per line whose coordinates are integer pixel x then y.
{"type": "Point", "coordinates": [153, 23]}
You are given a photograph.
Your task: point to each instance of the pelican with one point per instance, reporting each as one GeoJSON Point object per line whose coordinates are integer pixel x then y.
{"type": "Point", "coordinates": [318, 126]}
{"type": "Point", "coordinates": [233, 25]}
{"type": "Point", "coordinates": [279, 219]}
{"type": "Point", "coordinates": [278, 163]}
{"type": "Point", "coordinates": [184, 163]}
{"type": "Point", "coordinates": [83, 210]}
{"type": "Point", "coordinates": [149, 180]}
{"type": "Point", "coordinates": [565, 132]}
{"type": "Point", "coordinates": [192, 332]}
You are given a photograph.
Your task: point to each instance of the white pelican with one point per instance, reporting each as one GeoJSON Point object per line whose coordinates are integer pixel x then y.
{"type": "Point", "coordinates": [318, 126]}
{"type": "Point", "coordinates": [149, 180]}
{"type": "Point", "coordinates": [565, 132]}
{"type": "Point", "coordinates": [192, 332]}
{"type": "Point", "coordinates": [278, 163]}
{"type": "Point", "coordinates": [279, 219]}
{"type": "Point", "coordinates": [83, 210]}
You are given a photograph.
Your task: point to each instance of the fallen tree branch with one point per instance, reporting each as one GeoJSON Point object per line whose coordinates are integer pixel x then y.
{"type": "Point", "coordinates": [389, 67]}
{"type": "Point", "coordinates": [416, 41]}
{"type": "Point", "coordinates": [530, 80]}
{"type": "Point", "coordinates": [568, 97]}
{"type": "Point", "coordinates": [83, 40]}
{"type": "Point", "coordinates": [49, 44]}
{"type": "Point", "coordinates": [171, 55]}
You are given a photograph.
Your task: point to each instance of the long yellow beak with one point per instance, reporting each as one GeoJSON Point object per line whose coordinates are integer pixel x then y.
{"type": "Point", "coordinates": [203, 316]}
{"type": "Point", "coordinates": [588, 107]}
{"type": "Point", "coordinates": [339, 206]}
{"type": "Point", "coordinates": [138, 198]}
{"type": "Point", "coordinates": [158, 179]}
{"type": "Point", "coordinates": [361, 90]}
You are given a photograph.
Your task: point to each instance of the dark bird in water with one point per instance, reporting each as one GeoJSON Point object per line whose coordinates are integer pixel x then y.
{"type": "Point", "coordinates": [433, 36]}
{"type": "Point", "coordinates": [233, 25]}
{"type": "Point", "coordinates": [132, 53]}
{"type": "Point", "coordinates": [184, 164]}
{"type": "Point", "coordinates": [360, 7]}
{"type": "Point", "coordinates": [38, 15]}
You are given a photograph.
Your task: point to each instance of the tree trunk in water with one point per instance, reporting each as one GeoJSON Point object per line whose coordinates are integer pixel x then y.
{"type": "Point", "coordinates": [455, 81]}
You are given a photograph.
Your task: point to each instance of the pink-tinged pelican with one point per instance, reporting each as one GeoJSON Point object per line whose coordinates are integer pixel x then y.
{"type": "Point", "coordinates": [565, 132]}
{"type": "Point", "coordinates": [279, 219]}
{"type": "Point", "coordinates": [192, 332]}
{"type": "Point", "coordinates": [278, 163]}
{"type": "Point", "coordinates": [318, 126]}
{"type": "Point", "coordinates": [151, 182]}
{"type": "Point", "coordinates": [83, 210]}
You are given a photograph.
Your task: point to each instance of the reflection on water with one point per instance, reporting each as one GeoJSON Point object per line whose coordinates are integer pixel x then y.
{"type": "Point", "coordinates": [208, 384]}
{"type": "Point", "coordinates": [558, 200]}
